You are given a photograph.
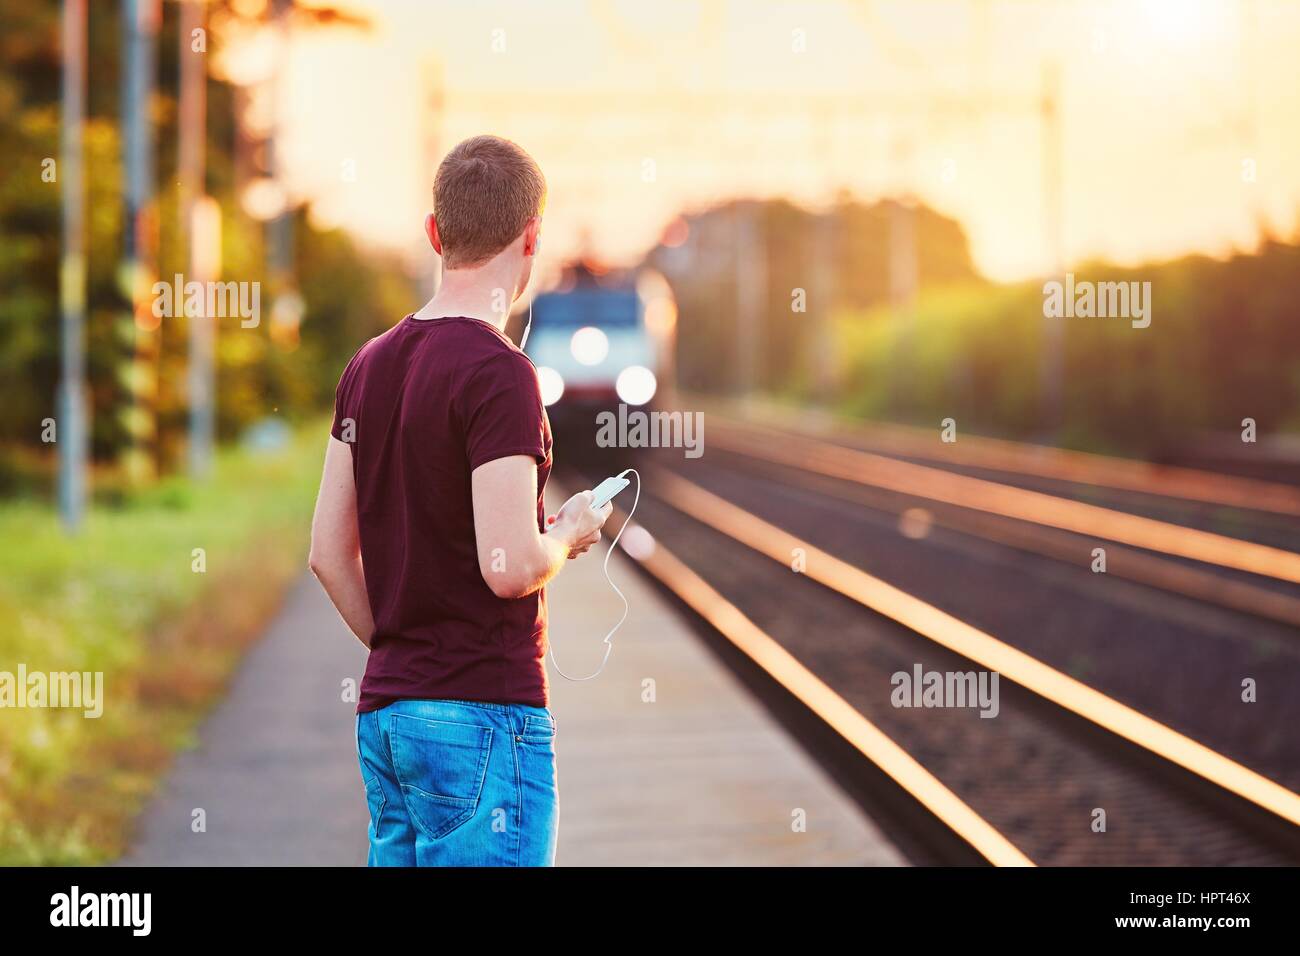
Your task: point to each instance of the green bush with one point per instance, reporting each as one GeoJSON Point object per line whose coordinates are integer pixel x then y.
{"type": "Point", "coordinates": [1223, 345]}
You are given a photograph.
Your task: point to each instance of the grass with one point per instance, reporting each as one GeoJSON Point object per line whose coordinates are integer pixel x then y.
{"type": "Point", "coordinates": [125, 597]}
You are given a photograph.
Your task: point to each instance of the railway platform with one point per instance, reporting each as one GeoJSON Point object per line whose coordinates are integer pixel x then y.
{"type": "Point", "coordinates": [665, 759]}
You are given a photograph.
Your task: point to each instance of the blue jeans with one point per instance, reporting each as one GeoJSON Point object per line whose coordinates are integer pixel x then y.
{"type": "Point", "coordinates": [459, 783]}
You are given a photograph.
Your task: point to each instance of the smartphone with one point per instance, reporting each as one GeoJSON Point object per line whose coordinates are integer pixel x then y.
{"type": "Point", "coordinates": [604, 492]}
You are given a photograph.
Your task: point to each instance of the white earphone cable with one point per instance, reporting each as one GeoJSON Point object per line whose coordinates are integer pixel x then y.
{"type": "Point", "coordinates": [626, 607]}
{"type": "Point", "coordinates": [528, 326]}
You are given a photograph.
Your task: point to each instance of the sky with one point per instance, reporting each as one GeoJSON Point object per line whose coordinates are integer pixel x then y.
{"type": "Point", "coordinates": [1179, 119]}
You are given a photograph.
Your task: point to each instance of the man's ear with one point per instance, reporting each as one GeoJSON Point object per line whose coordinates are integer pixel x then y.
{"type": "Point", "coordinates": [533, 236]}
{"type": "Point", "coordinates": [431, 230]}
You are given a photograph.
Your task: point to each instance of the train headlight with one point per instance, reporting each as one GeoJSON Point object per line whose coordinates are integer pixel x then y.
{"type": "Point", "coordinates": [589, 345]}
{"type": "Point", "coordinates": [636, 385]}
{"type": "Point", "coordinates": [551, 384]}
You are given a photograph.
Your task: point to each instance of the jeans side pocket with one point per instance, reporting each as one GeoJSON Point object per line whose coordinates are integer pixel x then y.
{"type": "Point", "coordinates": [375, 798]}
{"type": "Point", "coordinates": [538, 793]}
{"type": "Point", "coordinates": [538, 730]}
{"type": "Point", "coordinates": [375, 801]}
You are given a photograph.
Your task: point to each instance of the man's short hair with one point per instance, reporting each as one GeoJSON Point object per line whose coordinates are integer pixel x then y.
{"type": "Point", "coordinates": [486, 190]}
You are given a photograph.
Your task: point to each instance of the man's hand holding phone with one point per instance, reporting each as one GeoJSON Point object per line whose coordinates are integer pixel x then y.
{"type": "Point", "coordinates": [578, 524]}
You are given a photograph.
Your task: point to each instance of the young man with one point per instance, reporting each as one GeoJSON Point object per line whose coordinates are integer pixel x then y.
{"type": "Point", "coordinates": [431, 539]}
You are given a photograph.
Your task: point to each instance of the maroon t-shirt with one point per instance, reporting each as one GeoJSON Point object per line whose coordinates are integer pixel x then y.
{"type": "Point", "coordinates": [422, 406]}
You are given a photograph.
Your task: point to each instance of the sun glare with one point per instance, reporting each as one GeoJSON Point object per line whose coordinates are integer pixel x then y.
{"type": "Point", "coordinates": [1184, 22]}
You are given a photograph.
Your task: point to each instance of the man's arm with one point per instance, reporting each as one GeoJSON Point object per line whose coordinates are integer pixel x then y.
{"type": "Point", "coordinates": [335, 548]}
{"type": "Point", "coordinates": [514, 558]}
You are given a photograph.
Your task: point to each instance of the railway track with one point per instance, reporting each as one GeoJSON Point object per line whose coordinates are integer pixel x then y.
{"type": "Point", "coordinates": [1075, 768]}
{"type": "Point", "coordinates": [1023, 463]}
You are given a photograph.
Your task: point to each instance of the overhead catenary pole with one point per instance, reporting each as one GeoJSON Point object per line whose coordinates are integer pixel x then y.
{"type": "Point", "coordinates": [751, 295]}
{"type": "Point", "coordinates": [193, 112]}
{"type": "Point", "coordinates": [196, 225]}
{"type": "Point", "coordinates": [825, 241]}
{"type": "Point", "coordinates": [286, 307]}
{"type": "Point", "coordinates": [141, 327]}
{"type": "Point", "coordinates": [904, 276]}
{"type": "Point", "coordinates": [431, 118]}
{"type": "Point", "coordinates": [1053, 357]}
{"type": "Point", "coordinates": [73, 417]}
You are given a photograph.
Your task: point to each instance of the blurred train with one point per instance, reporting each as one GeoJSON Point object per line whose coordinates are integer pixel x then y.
{"type": "Point", "coordinates": [600, 341]}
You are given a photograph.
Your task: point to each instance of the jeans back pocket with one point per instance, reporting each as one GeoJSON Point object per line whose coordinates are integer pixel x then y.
{"type": "Point", "coordinates": [441, 767]}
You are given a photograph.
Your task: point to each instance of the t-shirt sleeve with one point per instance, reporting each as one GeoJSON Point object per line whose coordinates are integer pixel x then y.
{"type": "Point", "coordinates": [501, 410]}
{"type": "Point", "coordinates": [345, 413]}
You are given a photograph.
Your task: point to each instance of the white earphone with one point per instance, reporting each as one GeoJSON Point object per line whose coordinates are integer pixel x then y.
{"type": "Point", "coordinates": [626, 607]}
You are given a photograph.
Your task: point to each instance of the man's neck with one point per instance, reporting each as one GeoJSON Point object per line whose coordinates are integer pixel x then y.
{"type": "Point", "coordinates": [483, 293]}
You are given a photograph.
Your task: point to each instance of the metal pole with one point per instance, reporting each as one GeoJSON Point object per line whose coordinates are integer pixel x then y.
{"type": "Point", "coordinates": [73, 410]}
{"type": "Point", "coordinates": [431, 123]}
{"type": "Point", "coordinates": [281, 226]}
{"type": "Point", "coordinates": [191, 162]}
{"type": "Point", "coordinates": [903, 279]}
{"type": "Point", "coordinates": [139, 30]}
{"type": "Point", "coordinates": [751, 296]}
{"type": "Point", "coordinates": [825, 242]}
{"type": "Point", "coordinates": [1053, 369]}
{"type": "Point", "coordinates": [193, 99]}
{"type": "Point", "coordinates": [825, 253]}
{"type": "Point", "coordinates": [286, 308]}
